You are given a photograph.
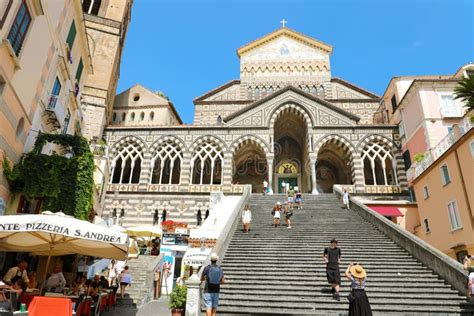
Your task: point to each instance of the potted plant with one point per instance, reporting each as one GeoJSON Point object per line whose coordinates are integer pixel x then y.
{"type": "Point", "coordinates": [178, 300]}
{"type": "Point", "coordinates": [419, 157]}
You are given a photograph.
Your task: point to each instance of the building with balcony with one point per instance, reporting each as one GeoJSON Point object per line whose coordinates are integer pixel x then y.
{"type": "Point", "coordinates": [44, 58]}
{"type": "Point", "coordinates": [444, 186]}
{"type": "Point", "coordinates": [436, 142]}
{"type": "Point", "coordinates": [425, 110]}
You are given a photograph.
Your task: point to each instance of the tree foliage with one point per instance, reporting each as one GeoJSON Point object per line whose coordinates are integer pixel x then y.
{"type": "Point", "coordinates": [465, 91]}
{"type": "Point", "coordinates": [64, 184]}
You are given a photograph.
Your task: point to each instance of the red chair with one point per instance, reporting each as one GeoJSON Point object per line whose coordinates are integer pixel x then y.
{"type": "Point", "coordinates": [103, 301]}
{"type": "Point", "coordinates": [84, 308]}
{"type": "Point", "coordinates": [111, 301]}
{"type": "Point", "coordinates": [27, 298]}
{"type": "Point", "coordinates": [47, 306]}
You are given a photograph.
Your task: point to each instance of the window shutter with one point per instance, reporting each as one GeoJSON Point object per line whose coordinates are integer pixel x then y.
{"type": "Point", "coordinates": [80, 67]}
{"type": "Point", "coordinates": [71, 35]}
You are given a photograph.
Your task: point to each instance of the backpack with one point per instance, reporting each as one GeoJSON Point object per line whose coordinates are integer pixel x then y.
{"type": "Point", "coordinates": [214, 277]}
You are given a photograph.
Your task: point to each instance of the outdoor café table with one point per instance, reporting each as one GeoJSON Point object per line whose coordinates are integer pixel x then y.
{"type": "Point", "coordinates": [47, 306]}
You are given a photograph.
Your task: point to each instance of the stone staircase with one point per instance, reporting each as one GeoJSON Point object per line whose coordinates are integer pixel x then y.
{"type": "Point", "coordinates": [281, 271]}
{"type": "Point", "coordinates": [136, 294]}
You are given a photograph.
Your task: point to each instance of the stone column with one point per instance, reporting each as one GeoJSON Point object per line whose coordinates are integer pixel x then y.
{"type": "Point", "coordinates": [270, 174]}
{"type": "Point", "coordinates": [186, 175]}
{"type": "Point", "coordinates": [227, 169]}
{"type": "Point", "coordinates": [193, 298]}
{"type": "Point", "coordinates": [145, 175]}
{"type": "Point", "coordinates": [313, 176]}
{"type": "Point", "coordinates": [358, 172]}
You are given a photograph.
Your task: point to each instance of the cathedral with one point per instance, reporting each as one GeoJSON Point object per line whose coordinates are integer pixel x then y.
{"type": "Point", "coordinates": [286, 119]}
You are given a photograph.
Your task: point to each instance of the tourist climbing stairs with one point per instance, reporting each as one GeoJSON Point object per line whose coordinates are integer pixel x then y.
{"type": "Point", "coordinates": [281, 271]}
{"type": "Point", "coordinates": [137, 294]}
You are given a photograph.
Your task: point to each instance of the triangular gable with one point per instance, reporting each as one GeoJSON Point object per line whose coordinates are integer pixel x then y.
{"type": "Point", "coordinates": [285, 32]}
{"type": "Point", "coordinates": [210, 94]}
{"type": "Point", "coordinates": [320, 111]}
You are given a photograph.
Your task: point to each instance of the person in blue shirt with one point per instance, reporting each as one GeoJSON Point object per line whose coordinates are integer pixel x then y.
{"type": "Point", "coordinates": [214, 277]}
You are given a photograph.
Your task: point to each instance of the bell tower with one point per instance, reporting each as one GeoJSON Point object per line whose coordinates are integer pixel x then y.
{"type": "Point", "coordinates": [106, 24]}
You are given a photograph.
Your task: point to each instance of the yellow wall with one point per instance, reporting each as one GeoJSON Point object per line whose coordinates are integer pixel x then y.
{"type": "Point", "coordinates": [435, 207]}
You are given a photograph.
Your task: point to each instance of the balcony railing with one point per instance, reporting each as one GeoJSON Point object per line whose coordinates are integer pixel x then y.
{"type": "Point", "coordinates": [434, 153]}
{"type": "Point", "coordinates": [51, 107]}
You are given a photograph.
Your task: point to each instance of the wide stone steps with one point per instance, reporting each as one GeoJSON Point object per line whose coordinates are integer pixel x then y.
{"type": "Point", "coordinates": [438, 295]}
{"type": "Point", "coordinates": [281, 271]}
{"type": "Point", "coordinates": [138, 268]}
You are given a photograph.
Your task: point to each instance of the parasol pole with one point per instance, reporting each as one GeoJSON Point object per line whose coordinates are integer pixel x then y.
{"type": "Point", "coordinates": [46, 270]}
{"type": "Point", "coordinates": [85, 266]}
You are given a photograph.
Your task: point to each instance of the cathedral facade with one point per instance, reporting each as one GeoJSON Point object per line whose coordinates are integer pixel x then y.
{"type": "Point", "coordinates": [285, 120]}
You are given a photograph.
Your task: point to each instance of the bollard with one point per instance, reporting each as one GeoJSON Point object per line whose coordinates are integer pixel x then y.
{"type": "Point", "coordinates": [193, 299]}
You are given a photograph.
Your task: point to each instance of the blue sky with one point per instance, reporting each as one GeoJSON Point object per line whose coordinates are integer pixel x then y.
{"type": "Point", "coordinates": [186, 48]}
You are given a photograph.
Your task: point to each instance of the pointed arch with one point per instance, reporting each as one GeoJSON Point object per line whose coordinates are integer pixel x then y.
{"type": "Point", "coordinates": [378, 158]}
{"type": "Point", "coordinates": [207, 161]}
{"type": "Point", "coordinates": [127, 159]}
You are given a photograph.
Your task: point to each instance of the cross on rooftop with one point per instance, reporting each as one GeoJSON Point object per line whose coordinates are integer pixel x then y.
{"type": "Point", "coordinates": [283, 22]}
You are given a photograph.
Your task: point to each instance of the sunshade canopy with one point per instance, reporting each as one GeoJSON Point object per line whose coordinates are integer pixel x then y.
{"type": "Point", "coordinates": [144, 231]}
{"type": "Point", "coordinates": [56, 234]}
{"type": "Point", "coordinates": [386, 210]}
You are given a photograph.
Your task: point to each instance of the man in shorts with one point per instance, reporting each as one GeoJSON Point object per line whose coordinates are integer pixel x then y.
{"type": "Point", "coordinates": [332, 258]}
{"type": "Point", "coordinates": [214, 277]}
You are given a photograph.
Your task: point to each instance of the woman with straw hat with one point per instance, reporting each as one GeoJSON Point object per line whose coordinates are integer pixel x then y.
{"type": "Point", "coordinates": [358, 301]}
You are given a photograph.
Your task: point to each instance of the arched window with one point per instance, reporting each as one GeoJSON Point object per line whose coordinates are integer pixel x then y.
{"type": "Point", "coordinates": [166, 164]}
{"type": "Point", "coordinates": [142, 116]}
{"type": "Point", "coordinates": [132, 116]}
{"type": "Point", "coordinates": [322, 92]}
{"type": "Point", "coordinates": [152, 116]}
{"type": "Point", "coordinates": [379, 164]}
{"type": "Point", "coordinates": [206, 164]}
{"type": "Point", "coordinates": [124, 116]}
{"type": "Point", "coordinates": [114, 117]}
{"type": "Point", "coordinates": [126, 166]}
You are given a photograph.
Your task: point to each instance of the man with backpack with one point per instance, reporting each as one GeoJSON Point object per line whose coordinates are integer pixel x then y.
{"type": "Point", "coordinates": [214, 277]}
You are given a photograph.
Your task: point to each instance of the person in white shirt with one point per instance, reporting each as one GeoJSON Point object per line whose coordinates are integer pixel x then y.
{"type": "Point", "coordinates": [112, 273]}
{"type": "Point", "coordinates": [265, 187]}
{"type": "Point", "coordinates": [56, 282]}
{"type": "Point", "coordinates": [246, 218]}
{"type": "Point", "coordinates": [119, 267]}
{"type": "Point", "coordinates": [345, 198]}
{"type": "Point", "coordinates": [16, 273]}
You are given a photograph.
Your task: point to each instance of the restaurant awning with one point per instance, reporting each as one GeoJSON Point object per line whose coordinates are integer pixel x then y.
{"type": "Point", "coordinates": [386, 210]}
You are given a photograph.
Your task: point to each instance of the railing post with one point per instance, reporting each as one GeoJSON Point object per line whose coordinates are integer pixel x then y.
{"type": "Point", "coordinates": [193, 298]}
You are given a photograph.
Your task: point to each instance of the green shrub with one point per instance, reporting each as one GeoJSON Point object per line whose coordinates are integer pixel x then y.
{"type": "Point", "coordinates": [64, 184]}
{"type": "Point", "coordinates": [178, 297]}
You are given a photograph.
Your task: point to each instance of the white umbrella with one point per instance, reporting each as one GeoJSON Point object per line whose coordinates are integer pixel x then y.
{"type": "Point", "coordinates": [56, 234]}
{"type": "Point", "coordinates": [144, 231]}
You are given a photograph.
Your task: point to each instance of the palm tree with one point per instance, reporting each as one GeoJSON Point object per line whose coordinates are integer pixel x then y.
{"type": "Point", "coordinates": [465, 92]}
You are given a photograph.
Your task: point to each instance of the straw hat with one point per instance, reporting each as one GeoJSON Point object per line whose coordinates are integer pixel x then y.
{"type": "Point", "coordinates": [278, 203]}
{"type": "Point", "coordinates": [214, 257]}
{"type": "Point", "coordinates": [358, 272]}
